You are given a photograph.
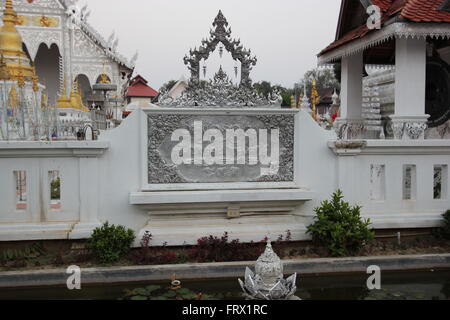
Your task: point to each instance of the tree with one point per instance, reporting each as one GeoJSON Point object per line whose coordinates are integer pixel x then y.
{"type": "Point", "coordinates": [264, 88]}
{"type": "Point", "coordinates": [168, 86]}
{"type": "Point", "coordinates": [325, 78]}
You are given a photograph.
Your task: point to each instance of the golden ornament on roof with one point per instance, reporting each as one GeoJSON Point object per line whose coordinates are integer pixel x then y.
{"type": "Point", "coordinates": [104, 79]}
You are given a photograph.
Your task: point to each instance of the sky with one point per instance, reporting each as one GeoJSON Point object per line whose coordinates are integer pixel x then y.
{"type": "Point", "coordinates": [285, 35]}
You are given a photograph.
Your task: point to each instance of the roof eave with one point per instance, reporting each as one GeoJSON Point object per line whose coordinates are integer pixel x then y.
{"type": "Point", "coordinates": [394, 30]}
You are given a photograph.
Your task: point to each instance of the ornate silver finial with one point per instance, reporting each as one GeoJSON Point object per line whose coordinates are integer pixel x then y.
{"type": "Point", "coordinates": [268, 282]}
{"type": "Point", "coordinates": [305, 101]}
{"type": "Point", "coordinates": [214, 93]}
{"type": "Point", "coordinates": [269, 267]}
{"type": "Point", "coordinates": [335, 98]}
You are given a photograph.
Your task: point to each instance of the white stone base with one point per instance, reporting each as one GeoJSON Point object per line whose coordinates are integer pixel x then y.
{"type": "Point", "coordinates": [405, 220]}
{"type": "Point", "coordinates": [178, 231]}
{"type": "Point", "coordinates": [182, 217]}
{"type": "Point", "coordinates": [46, 231]}
{"type": "Point", "coordinates": [83, 230]}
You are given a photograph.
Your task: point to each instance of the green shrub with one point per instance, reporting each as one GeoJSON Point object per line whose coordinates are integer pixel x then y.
{"type": "Point", "coordinates": [109, 243]}
{"type": "Point", "coordinates": [444, 231]}
{"type": "Point", "coordinates": [339, 227]}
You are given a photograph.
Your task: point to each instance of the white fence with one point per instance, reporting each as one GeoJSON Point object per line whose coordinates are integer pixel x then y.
{"type": "Point", "coordinates": [62, 190]}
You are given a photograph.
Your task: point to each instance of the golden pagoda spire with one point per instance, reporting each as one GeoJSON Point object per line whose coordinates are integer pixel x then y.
{"type": "Point", "coordinates": [35, 80]}
{"type": "Point", "coordinates": [20, 76]}
{"type": "Point", "coordinates": [44, 100]}
{"type": "Point", "coordinates": [9, 36]}
{"type": "Point", "coordinates": [11, 45]}
{"type": "Point", "coordinates": [64, 87]}
{"type": "Point", "coordinates": [315, 98]}
{"type": "Point", "coordinates": [75, 98]}
{"type": "Point", "coordinates": [293, 104]}
{"type": "Point", "coordinates": [63, 101]}
{"type": "Point", "coordinates": [13, 98]}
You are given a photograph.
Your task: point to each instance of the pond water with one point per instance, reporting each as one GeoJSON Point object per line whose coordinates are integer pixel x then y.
{"type": "Point", "coordinates": [424, 285]}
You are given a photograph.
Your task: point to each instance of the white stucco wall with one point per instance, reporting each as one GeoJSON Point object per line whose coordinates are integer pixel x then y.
{"type": "Point", "coordinates": [103, 181]}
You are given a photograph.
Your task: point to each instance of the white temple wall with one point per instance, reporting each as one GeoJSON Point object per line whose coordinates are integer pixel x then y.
{"type": "Point", "coordinates": [317, 164]}
{"type": "Point", "coordinates": [28, 212]}
{"type": "Point", "coordinates": [398, 184]}
{"type": "Point", "coordinates": [120, 174]}
{"type": "Point", "coordinates": [104, 181]}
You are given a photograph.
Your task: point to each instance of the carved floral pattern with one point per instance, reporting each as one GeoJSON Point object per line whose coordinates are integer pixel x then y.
{"type": "Point", "coordinates": [416, 130]}
{"type": "Point", "coordinates": [34, 37]}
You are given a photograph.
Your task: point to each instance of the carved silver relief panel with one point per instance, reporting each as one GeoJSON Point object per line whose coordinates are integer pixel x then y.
{"type": "Point", "coordinates": [220, 148]}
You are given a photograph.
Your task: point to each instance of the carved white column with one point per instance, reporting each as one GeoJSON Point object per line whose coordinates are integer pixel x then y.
{"type": "Point", "coordinates": [409, 121]}
{"type": "Point", "coordinates": [350, 124]}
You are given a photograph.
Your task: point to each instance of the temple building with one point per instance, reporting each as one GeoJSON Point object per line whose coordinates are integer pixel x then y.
{"type": "Point", "coordinates": [23, 98]}
{"type": "Point", "coordinates": [409, 98]}
{"type": "Point", "coordinates": [61, 44]}
{"type": "Point", "coordinates": [139, 90]}
{"type": "Point", "coordinates": [59, 74]}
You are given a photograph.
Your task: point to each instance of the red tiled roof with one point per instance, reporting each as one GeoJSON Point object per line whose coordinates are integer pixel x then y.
{"type": "Point", "coordinates": [383, 4]}
{"type": "Point", "coordinates": [412, 10]}
{"type": "Point", "coordinates": [139, 88]}
{"type": "Point", "coordinates": [425, 11]}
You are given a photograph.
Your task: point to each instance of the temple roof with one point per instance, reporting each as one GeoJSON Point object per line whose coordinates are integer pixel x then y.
{"type": "Point", "coordinates": [352, 20]}
{"type": "Point", "coordinates": [139, 88]}
{"type": "Point", "coordinates": [63, 6]}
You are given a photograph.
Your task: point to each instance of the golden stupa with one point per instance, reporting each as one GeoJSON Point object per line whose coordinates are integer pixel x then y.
{"type": "Point", "coordinates": [16, 60]}
{"type": "Point", "coordinates": [63, 101]}
{"type": "Point", "coordinates": [74, 101]}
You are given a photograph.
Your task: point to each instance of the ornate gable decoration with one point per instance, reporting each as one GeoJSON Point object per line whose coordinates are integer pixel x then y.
{"type": "Point", "coordinates": [50, 4]}
{"type": "Point", "coordinates": [220, 91]}
{"type": "Point", "coordinates": [221, 34]}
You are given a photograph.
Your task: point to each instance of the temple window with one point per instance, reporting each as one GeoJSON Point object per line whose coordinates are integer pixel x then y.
{"type": "Point", "coordinates": [377, 182]}
{"type": "Point", "coordinates": [440, 177]}
{"type": "Point", "coordinates": [409, 182]}
{"type": "Point", "coordinates": [20, 178]}
{"type": "Point", "coordinates": [55, 189]}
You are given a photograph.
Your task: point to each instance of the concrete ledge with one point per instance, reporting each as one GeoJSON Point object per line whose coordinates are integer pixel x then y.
{"type": "Point", "coordinates": [221, 270]}
{"type": "Point", "coordinates": [219, 196]}
{"type": "Point", "coordinates": [52, 149]}
{"type": "Point", "coordinates": [46, 231]}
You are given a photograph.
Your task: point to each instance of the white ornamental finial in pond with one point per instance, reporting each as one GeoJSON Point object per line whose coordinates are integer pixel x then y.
{"type": "Point", "coordinates": [268, 283]}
